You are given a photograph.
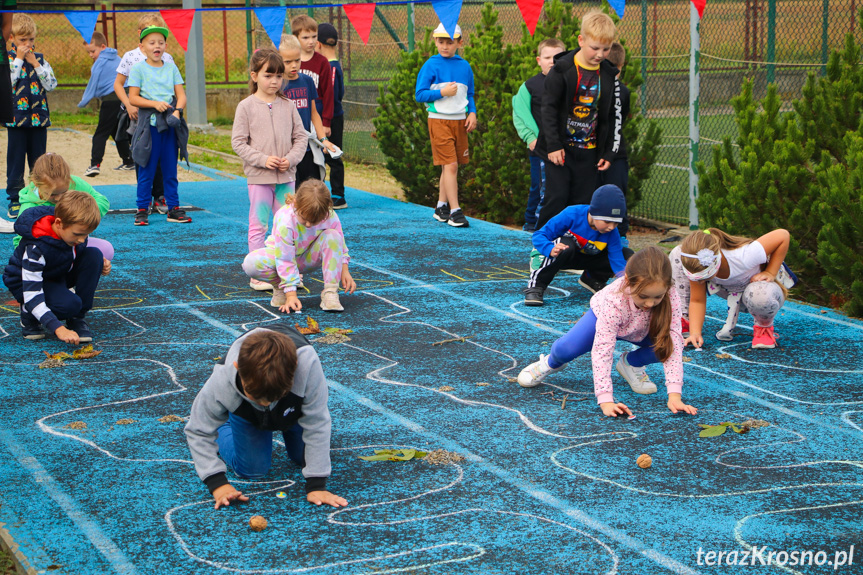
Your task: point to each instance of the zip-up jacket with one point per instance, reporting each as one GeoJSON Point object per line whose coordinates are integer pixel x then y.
{"type": "Point", "coordinates": [102, 76]}
{"type": "Point", "coordinates": [260, 132]}
{"type": "Point", "coordinates": [561, 85]}
{"type": "Point", "coordinates": [142, 143]}
{"type": "Point", "coordinates": [41, 256]}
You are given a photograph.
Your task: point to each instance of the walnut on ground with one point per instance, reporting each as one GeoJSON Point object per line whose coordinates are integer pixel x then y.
{"type": "Point", "coordinates": [644, 461]}
{"type": "Point", "coordinates": [76, 425]}
{"type": "Point", "coordinates": [170, 418]}
{"type": "Point", "coordinates": [257, 523]}
{"type": "Point", "coordinates": [442, 457]}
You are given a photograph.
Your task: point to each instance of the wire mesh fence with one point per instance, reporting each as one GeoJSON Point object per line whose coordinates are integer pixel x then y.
{"type": "Point", "coordinates": [778, 41]}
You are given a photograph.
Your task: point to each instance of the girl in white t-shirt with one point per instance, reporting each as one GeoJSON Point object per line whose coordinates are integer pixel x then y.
{"type": "Point", "coordinates": [749, 274]}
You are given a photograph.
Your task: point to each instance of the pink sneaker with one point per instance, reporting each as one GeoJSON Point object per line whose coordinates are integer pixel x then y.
{"type": "Point", "coordinates": [763, 337]}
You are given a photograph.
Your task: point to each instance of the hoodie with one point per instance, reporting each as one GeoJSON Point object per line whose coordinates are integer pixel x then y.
{"type": "Point", "coordinates": [102, 76]}
{"type": "Point", "coordinates": [561, 85]}
{"type": "Point", "coordinates": [40, 257]}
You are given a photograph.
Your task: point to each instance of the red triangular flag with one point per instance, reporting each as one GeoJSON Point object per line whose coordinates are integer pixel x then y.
{"type": "Point", "coordinates": [530, 11]}
{"type": "Point", "coordinates": [360, 17]}
{"type": "Point", "coordinates": [180, 24]}
{"type": "Point", "coordinates": [699, 6]}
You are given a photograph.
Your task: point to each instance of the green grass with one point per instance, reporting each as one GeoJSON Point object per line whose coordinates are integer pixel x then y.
{"type": "Point", "coordinates": [218, 142]}
{"type": "Point", "coordinates": [217, 163]}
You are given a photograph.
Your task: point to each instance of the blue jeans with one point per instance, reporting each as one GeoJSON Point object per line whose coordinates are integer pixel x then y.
{"type": "Point", "coordinates": [579, 340]}
{"type": "Point", "coordinates": [537, 189]}
{"type": "Point", "coordinates": [163, 154]}
{"type": "Point", "coordinates": [249, 450]}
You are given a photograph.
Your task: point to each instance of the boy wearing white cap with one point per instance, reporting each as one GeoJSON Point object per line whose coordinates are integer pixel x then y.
{"type": "Point", "coordinates": [445, 85]}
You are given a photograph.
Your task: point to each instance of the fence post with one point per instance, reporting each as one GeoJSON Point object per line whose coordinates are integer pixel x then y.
{"type": "Point", "coordinates": [411, 29]}
{"type": "Point", "coordinates": [196, 91]}
{"type": "Point", "coordinates": [643, 57]}
{"type": "Point", "coordinates": [825, 20]}
{"type": "Point", "coordinates": [311, 9]}
{"type": "Point", "coordinates": [248, 30]}
{"type": "Point", "coordinates": [771, 41]}
{"type": "Point", "coordinates": [694, 92]}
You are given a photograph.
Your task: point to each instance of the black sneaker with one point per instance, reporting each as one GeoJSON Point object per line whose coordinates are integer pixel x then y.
{"type": "Point", "coordinates": [31, 328]}
{"type": "Point", "coordinates": [79, 326]}
{"type": "Point", "coordinates": [590, 284]}
{"type": "Point", "coordinates": [457, 220]}
{"type": "Point", "coordinates": [124, 167]}
{"type": "Point", "coordinates": [92, 171]}
{"type": "Point", "coordinates": [339, 203]}
{"type": "Point", "coordinates": [441, 214]}
{"type": "Point", "coordinates": [159, 205]}
{"type": "Point", "coordinates": [178, 216]}
{"type": "Point", "coordinates": [533, 296]}
{"type": "Point", "coordinates": [141, 218]}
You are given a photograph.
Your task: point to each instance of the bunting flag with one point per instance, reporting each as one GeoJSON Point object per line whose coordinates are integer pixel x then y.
{"type": "Point", "coordinates": [699, 6]}
{"type": "Point", "coordinates": [83, 22]}
{"type": "Point", "coordinates": [273, 21]}
{"type": "Point", "coordinates": [448, 12]}
{"type": "Point", "coordinates": [180, 24]}
{"type": "Point", "coordinates": [618, 6]}
{"type": "Point", "coordinates": [360, 17]}
{"type": "Point", "coordinates": [530, 11]}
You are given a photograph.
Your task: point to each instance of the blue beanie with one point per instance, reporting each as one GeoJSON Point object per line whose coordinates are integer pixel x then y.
{"type": "Point", "coordinates": [608, 203]}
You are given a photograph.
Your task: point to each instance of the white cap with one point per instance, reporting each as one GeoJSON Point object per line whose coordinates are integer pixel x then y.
{"type": "Point", "coordinates": [440, 32]}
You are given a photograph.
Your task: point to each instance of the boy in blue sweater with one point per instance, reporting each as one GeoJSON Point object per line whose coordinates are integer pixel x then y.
{"type": "Point", "coordinates": [101, 86]}
{"type": "Point", "coordinates": [581, 237]}
{"type": "Point", "coordinates": [51, 258]}
{"type": "Point", "coordinates": [445, 85]}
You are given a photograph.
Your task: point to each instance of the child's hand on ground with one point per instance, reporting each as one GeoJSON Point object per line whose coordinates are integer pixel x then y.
{"type": "Point", "coordinates": [451, 89]}
{"type": "Point", "coordinates": [292, 303]}
{"type": "Point", "coordinates": [273, 162]}
{"type": "Point", "coordinates": [470, 123]}
{"type": "Point", "coordinates": [132, 111]}
{"type": "Point", "coordinates": [763, 277]}
{"type": "Point", "coordinates": [65, 334]}
{"type": "Point", "coordinates": [106, 267]}
{"type": "Point", "coordinates": [348, 282]}
{"type": "Point", "coordinates": [603, 165]}
{"type": "Point", "coordinates": [284, 164]}
{"type": "Point", "coordinates": [532, 145]}
{"type": "Point", "coordinates": [225, 494]}
{"type": "Point", "coordinates": [695, 339]}
{"type": "Point", "coordinates": [611, 409]}
{"type": "Point", "coordinates": [558, 247]}
{"type": "Point", "coordinates": [319, 497]}
{"type": "Point", "coordinates": [557, 157]}
{"type": "Point", "coordinates": [675, 404]}
{"type": "Point", "coordinates": [161, 106]}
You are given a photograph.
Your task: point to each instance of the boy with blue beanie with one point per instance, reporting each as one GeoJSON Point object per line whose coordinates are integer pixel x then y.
{"type": "Point", "coordinates": [581, 237]}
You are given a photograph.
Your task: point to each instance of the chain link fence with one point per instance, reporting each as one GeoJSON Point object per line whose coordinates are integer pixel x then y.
{"type": "Point", "coordinates": [765, 41]}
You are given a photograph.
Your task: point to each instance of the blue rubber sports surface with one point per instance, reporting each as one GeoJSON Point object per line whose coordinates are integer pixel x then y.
{"type": "Point", "coordinates": [96, 479]}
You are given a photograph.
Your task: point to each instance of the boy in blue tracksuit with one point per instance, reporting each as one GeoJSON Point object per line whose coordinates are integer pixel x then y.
{"type": "Point", "coordinates": [445, 85]}
{"type": "Point", "coordinates": [581, 237]}
{"type": "Point", "coordinates": [101, 86]}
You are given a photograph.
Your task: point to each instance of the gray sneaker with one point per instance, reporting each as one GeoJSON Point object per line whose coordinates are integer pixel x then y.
{"type": "Point", "coordinates": [636, 377]}
{"type": "Point", "coordinates": [532, 375]}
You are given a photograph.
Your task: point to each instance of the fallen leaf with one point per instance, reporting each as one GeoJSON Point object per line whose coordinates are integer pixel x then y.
{"type": "Point", "coordinates": [446, 388]}
{"type": "Point", "coordinates": [723, 355]}
{"type": "Point", "coordinates": [85, 352]}
{"type": "Point", "coordinates": [124, 421]}
{"type": "Point", "coordinates": [713, 431]}
{"type": "Point", "coordinates": [335, 330]}
{"type": "Point", "coordinates": [75, 425]}
{"type": "Point", "coordinates": [482, 383]}
{"type": "Point", "coordinates": [170, 418]}
{"type": "Point", "coordinates": [394, 455]}
{"type": "Point", "coordinates": [311, 328]}
{"type": "Point", "coordinates": [686, 359]}
{"type": "Point", "coordinates": [57, 356]}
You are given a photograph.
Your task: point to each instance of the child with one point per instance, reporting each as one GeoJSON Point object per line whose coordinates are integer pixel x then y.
{"type": "Point", "coordinates": [300, 88]}
{"type": "Point", "coordinates": [32, 78]}
{"type": "Point", "coordinates": [268, 134]}
{"type": "Point", "coordinates": [124, 69]}
{"type": "Point", "coordinates": [270, 380]}
{"type": "Point", "coordinates": [640, 308]}
{"type": "Point", "coordinates": [51, 260]}
{"type": "Point", "coordinates": [328, 38]}
{"type": "Point", "coordinates": [6, 103]}
{"type": "Point", "coordinates": [101, 85]}
{"type": "Point", "coordinates": [156, 89]}
{"type": "Point", "coordinates": [580, 130]}
{"type": "Point", "coordinates": [741, 270]}
{"type": "Point", "coordinates": [49, 180]}
{"type": "Point", "coordinates": [316, 67]}
{"type": "Point", "coordinates": [306, 234]}
{"type": "Point", "coordinates": [526, 106]}
{"type": "Point", "coordinates": [582, 237]}
{"type": "Point", "coordinates": [445, 84]}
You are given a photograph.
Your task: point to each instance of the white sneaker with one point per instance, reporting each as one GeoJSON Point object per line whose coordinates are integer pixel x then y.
{"type": "Point", "coordinates": [258, 285]}
{"type": "Point", "coordinates": [330, 298]}
{"type": "Point", "coordinates": [532, 375]}
{"type": "Point", "coordinates": [636, 377]}
{"type": "Point", "coordinates": [723, 335]}
{"type": "Point", "coordinates": [279, 298]}
{"type": "Point", "coordinates": [6, 227]}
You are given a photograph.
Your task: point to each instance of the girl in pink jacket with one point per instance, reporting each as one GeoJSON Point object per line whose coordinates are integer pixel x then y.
{"type": "Point", "coordinates": [268, 135]}
{"type": "Point", "coordinates": [640, 308]}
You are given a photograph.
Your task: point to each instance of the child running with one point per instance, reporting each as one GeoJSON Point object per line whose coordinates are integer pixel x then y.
{"type": "Point", "coordinates": [640, 308]}
{"type": "Point", "coordinates": [306, 234]}
{"type": "Point", "coordinates": [749, 274]}
{"type": "Point", "coordinates": [268, 135]}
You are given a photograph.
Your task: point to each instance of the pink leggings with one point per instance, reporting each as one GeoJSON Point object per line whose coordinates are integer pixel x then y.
{"type": "Point", "coordinates": [264, 201]}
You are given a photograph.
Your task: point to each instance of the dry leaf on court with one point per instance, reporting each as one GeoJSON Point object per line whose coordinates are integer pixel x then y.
{"type": "Point", "coordinates": [85, 352]}
{"type": "Point", "coordinates": [312, 327]}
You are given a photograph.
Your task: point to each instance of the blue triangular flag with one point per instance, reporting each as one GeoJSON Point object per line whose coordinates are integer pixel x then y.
{"type": "Point", "coordinates": [618, 7]}
{"type": "Point", "coordinates": [273, 21]}
{"type": "Point", "coordinates": [448, 12]}
{"type": "Point", "coordinates": [84, 22]}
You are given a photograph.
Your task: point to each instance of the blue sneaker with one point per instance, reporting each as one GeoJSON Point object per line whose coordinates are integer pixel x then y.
{"type": "Point", "coordinates": [529, 227]}
{"type": "Point", "coordinates": [31, 328]}
{"type": "Point", "coordinates": [79, 326]}
{"type": "Point", "coordinates": [14, 210]}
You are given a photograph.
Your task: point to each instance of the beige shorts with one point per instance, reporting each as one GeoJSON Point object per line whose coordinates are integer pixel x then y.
{"type": "Point", "coordinates": [448, 141]}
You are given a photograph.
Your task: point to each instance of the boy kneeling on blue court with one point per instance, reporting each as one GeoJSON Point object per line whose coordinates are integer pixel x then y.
{"type": "Point", "coordinates": [269, 380]}
{"type": "Point", "coordinates": [51, 259]}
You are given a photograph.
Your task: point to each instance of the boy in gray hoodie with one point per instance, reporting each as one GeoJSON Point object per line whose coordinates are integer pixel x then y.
{"type": "Point", "coordinates": [270, 380]}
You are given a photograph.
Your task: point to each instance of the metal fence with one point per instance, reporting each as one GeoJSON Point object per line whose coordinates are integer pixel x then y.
{"type": "Point", "coordinates": [765, 41]}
